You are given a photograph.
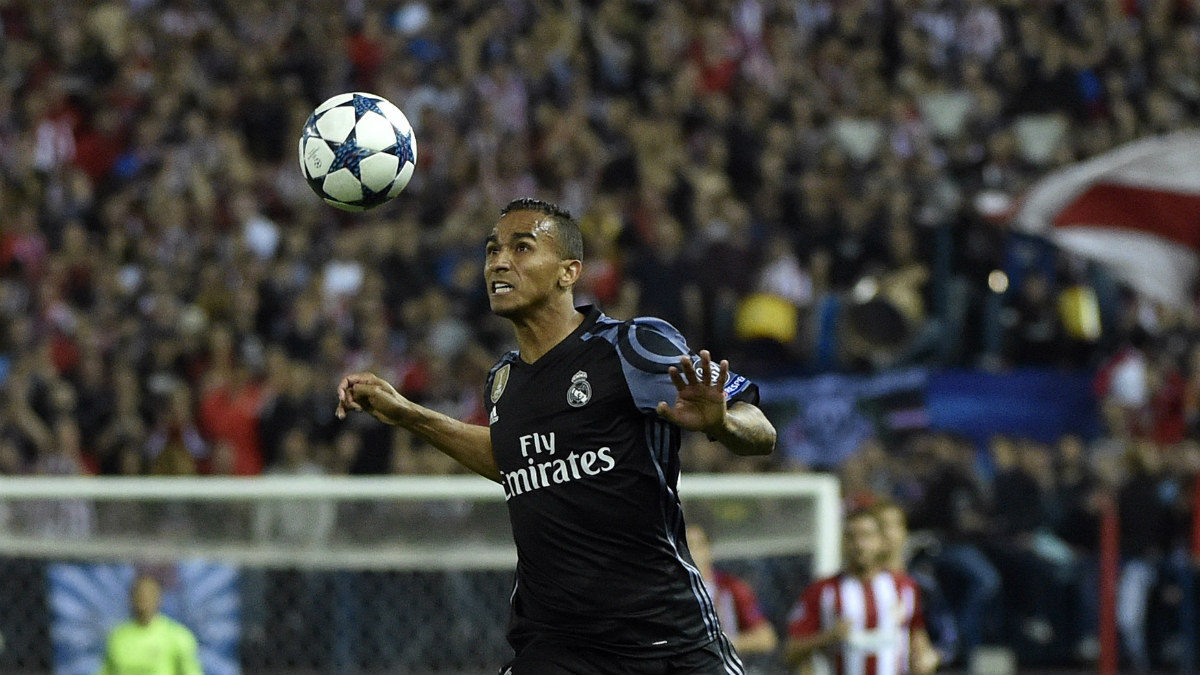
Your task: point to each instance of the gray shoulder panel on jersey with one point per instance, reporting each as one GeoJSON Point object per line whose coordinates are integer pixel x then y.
{"type": "Point", "coordinates": [647, 347]}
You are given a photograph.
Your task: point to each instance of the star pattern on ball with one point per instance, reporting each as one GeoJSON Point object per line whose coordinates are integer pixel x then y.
{"type": "Point", "coordinates": [403, 148]}
{"type": "Point", "coordinates": [348, 155]}
{"type": "Point", "coordinates": [364, 104]}
{"type": "Point", "coordinates": [372, 198]}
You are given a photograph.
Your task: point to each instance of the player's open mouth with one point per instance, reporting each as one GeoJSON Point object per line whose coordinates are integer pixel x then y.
{"type": "Point", "coordinates": [500, 288]}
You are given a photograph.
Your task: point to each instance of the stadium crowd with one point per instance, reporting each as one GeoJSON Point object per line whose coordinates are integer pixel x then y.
{"type": "Point", "coordinates": [174, 300]}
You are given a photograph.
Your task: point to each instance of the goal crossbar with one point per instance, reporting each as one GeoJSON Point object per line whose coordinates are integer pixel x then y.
{"type": "Point", "coordinates": [823, 490]}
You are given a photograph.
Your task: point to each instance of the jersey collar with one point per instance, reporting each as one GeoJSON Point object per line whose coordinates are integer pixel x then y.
{"type": "Point", "coordinates": [591, 314]}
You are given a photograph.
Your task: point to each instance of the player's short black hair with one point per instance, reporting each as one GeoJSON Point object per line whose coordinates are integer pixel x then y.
{"type": "Point", "coordinates": [570, 239]}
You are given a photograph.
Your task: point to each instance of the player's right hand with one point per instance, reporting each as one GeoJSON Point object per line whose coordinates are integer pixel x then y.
{"type": "Point", "coordinates": [839, 632]}
{"type": "Point", "coordinates": [371, 394]}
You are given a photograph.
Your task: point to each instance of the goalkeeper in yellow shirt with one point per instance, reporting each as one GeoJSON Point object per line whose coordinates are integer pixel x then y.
{"type": "Point", "coordinates": [150, 643]}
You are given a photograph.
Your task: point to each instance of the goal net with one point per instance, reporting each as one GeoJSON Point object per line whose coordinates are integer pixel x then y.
{"type": "Point", "coordinates": [335, 574]}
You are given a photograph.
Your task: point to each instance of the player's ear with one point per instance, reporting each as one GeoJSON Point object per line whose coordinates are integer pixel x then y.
{"type": "Point", "coordinates": [568, 273]}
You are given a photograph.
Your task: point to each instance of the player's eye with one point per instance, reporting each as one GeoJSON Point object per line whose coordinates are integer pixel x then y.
{"type": "Point", "coordinates": [491, 249]}
{"type": "Point", "coordinates": [523, 246]}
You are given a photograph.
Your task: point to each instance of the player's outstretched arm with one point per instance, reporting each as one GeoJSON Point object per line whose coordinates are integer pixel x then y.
{"type": "Point", "coordinates": [758, 640]}
{"type": "Point", "coordinates": [799, 650]}
{"type": "Point", "coordinates": [469, 444]}
{"type": "Point", "coordinates": [700, 406]}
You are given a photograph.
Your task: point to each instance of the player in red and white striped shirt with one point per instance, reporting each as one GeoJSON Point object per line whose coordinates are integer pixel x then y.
{"type": "Point", "coordinates": [737, 605]}
{"type": "Point", "coordinates": [867, 619]}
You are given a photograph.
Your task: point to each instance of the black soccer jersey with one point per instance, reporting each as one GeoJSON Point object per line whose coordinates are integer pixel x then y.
{"type": "Point", "coordinates": [590, 472]}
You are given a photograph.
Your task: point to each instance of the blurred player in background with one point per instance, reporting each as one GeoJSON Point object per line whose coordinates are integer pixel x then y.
{"type": "Point", "coordinates": [585, 442]}
{"type": "Point", "coordinates": [150, 643]}
{"type": "Point", "coordinates": [938, 643]}
{"type": "Point", "coordinates": [742, 617]}
{"type": "Point", "coordinates": [867, 618]}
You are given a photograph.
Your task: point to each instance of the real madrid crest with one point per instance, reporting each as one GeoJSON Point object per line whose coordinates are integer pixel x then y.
{"type": "Point", "coordinates": [580, 391]}
{"type": "Point", "coordinates": [499, 382]}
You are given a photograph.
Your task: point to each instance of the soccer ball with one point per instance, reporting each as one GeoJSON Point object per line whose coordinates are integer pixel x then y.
{"type": "Point", "coordinates": [357, 151]}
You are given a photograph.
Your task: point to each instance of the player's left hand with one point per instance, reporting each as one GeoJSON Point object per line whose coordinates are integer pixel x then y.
{"type": "Point", "coordinates": [700, 402]}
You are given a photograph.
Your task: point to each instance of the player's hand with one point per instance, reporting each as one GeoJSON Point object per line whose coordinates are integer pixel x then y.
{"type": "Point", "coordinates": [371, 394]}
{"type": "Point", "coordinates": [839, 632]}
{"type": "Point", "coordinates": [925, 661]}
{"type": "Point", "coordinates": [700, 401]}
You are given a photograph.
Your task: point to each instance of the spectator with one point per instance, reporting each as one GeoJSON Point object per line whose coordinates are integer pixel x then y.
{"type": "Point", "coordinates": [306, 524]}
{"type": "Point", "coordinates": [954, 510]}
{"type": "Point", "coordinates": [664, 276]}
{"type": "Point", "coordinates": [1033, 330]}
{"type": "Point", "coordinates": [1033, 563]}
{"type": "Point", "coordinates": [174, 445]}
{"type": "Point", "coordinates": [230, 408]}
{"type": "Point", "coordinates": [1143, 516]}
{"type": "Point", "coordinates": [1079, 500]}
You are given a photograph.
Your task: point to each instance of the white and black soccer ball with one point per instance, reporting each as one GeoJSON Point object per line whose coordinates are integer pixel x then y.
{"type": "Point", "coordinates": [357, 151]}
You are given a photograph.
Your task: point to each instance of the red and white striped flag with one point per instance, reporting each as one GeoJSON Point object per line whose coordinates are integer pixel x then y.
{"type": "Point", "coordinates": [1135, 209]}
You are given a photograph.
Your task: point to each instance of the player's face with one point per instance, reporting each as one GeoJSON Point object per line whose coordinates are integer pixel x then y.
{"type": "Point", "coordinates": [698, 546]}
{"type": "Point", "coordinates": [864, 544]}
{"type": "Point", "coordinates": [894, 529]}
{"type": "Point", "coordinates": [523, 268]}
{"type": "Point", "coordinates": [145, 598]}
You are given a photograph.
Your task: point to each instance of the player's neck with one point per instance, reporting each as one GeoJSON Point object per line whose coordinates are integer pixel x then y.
{"type": "Point", "coordinates": [545, 328]}
{"type": "Point", "coordinates": [865, 573]}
